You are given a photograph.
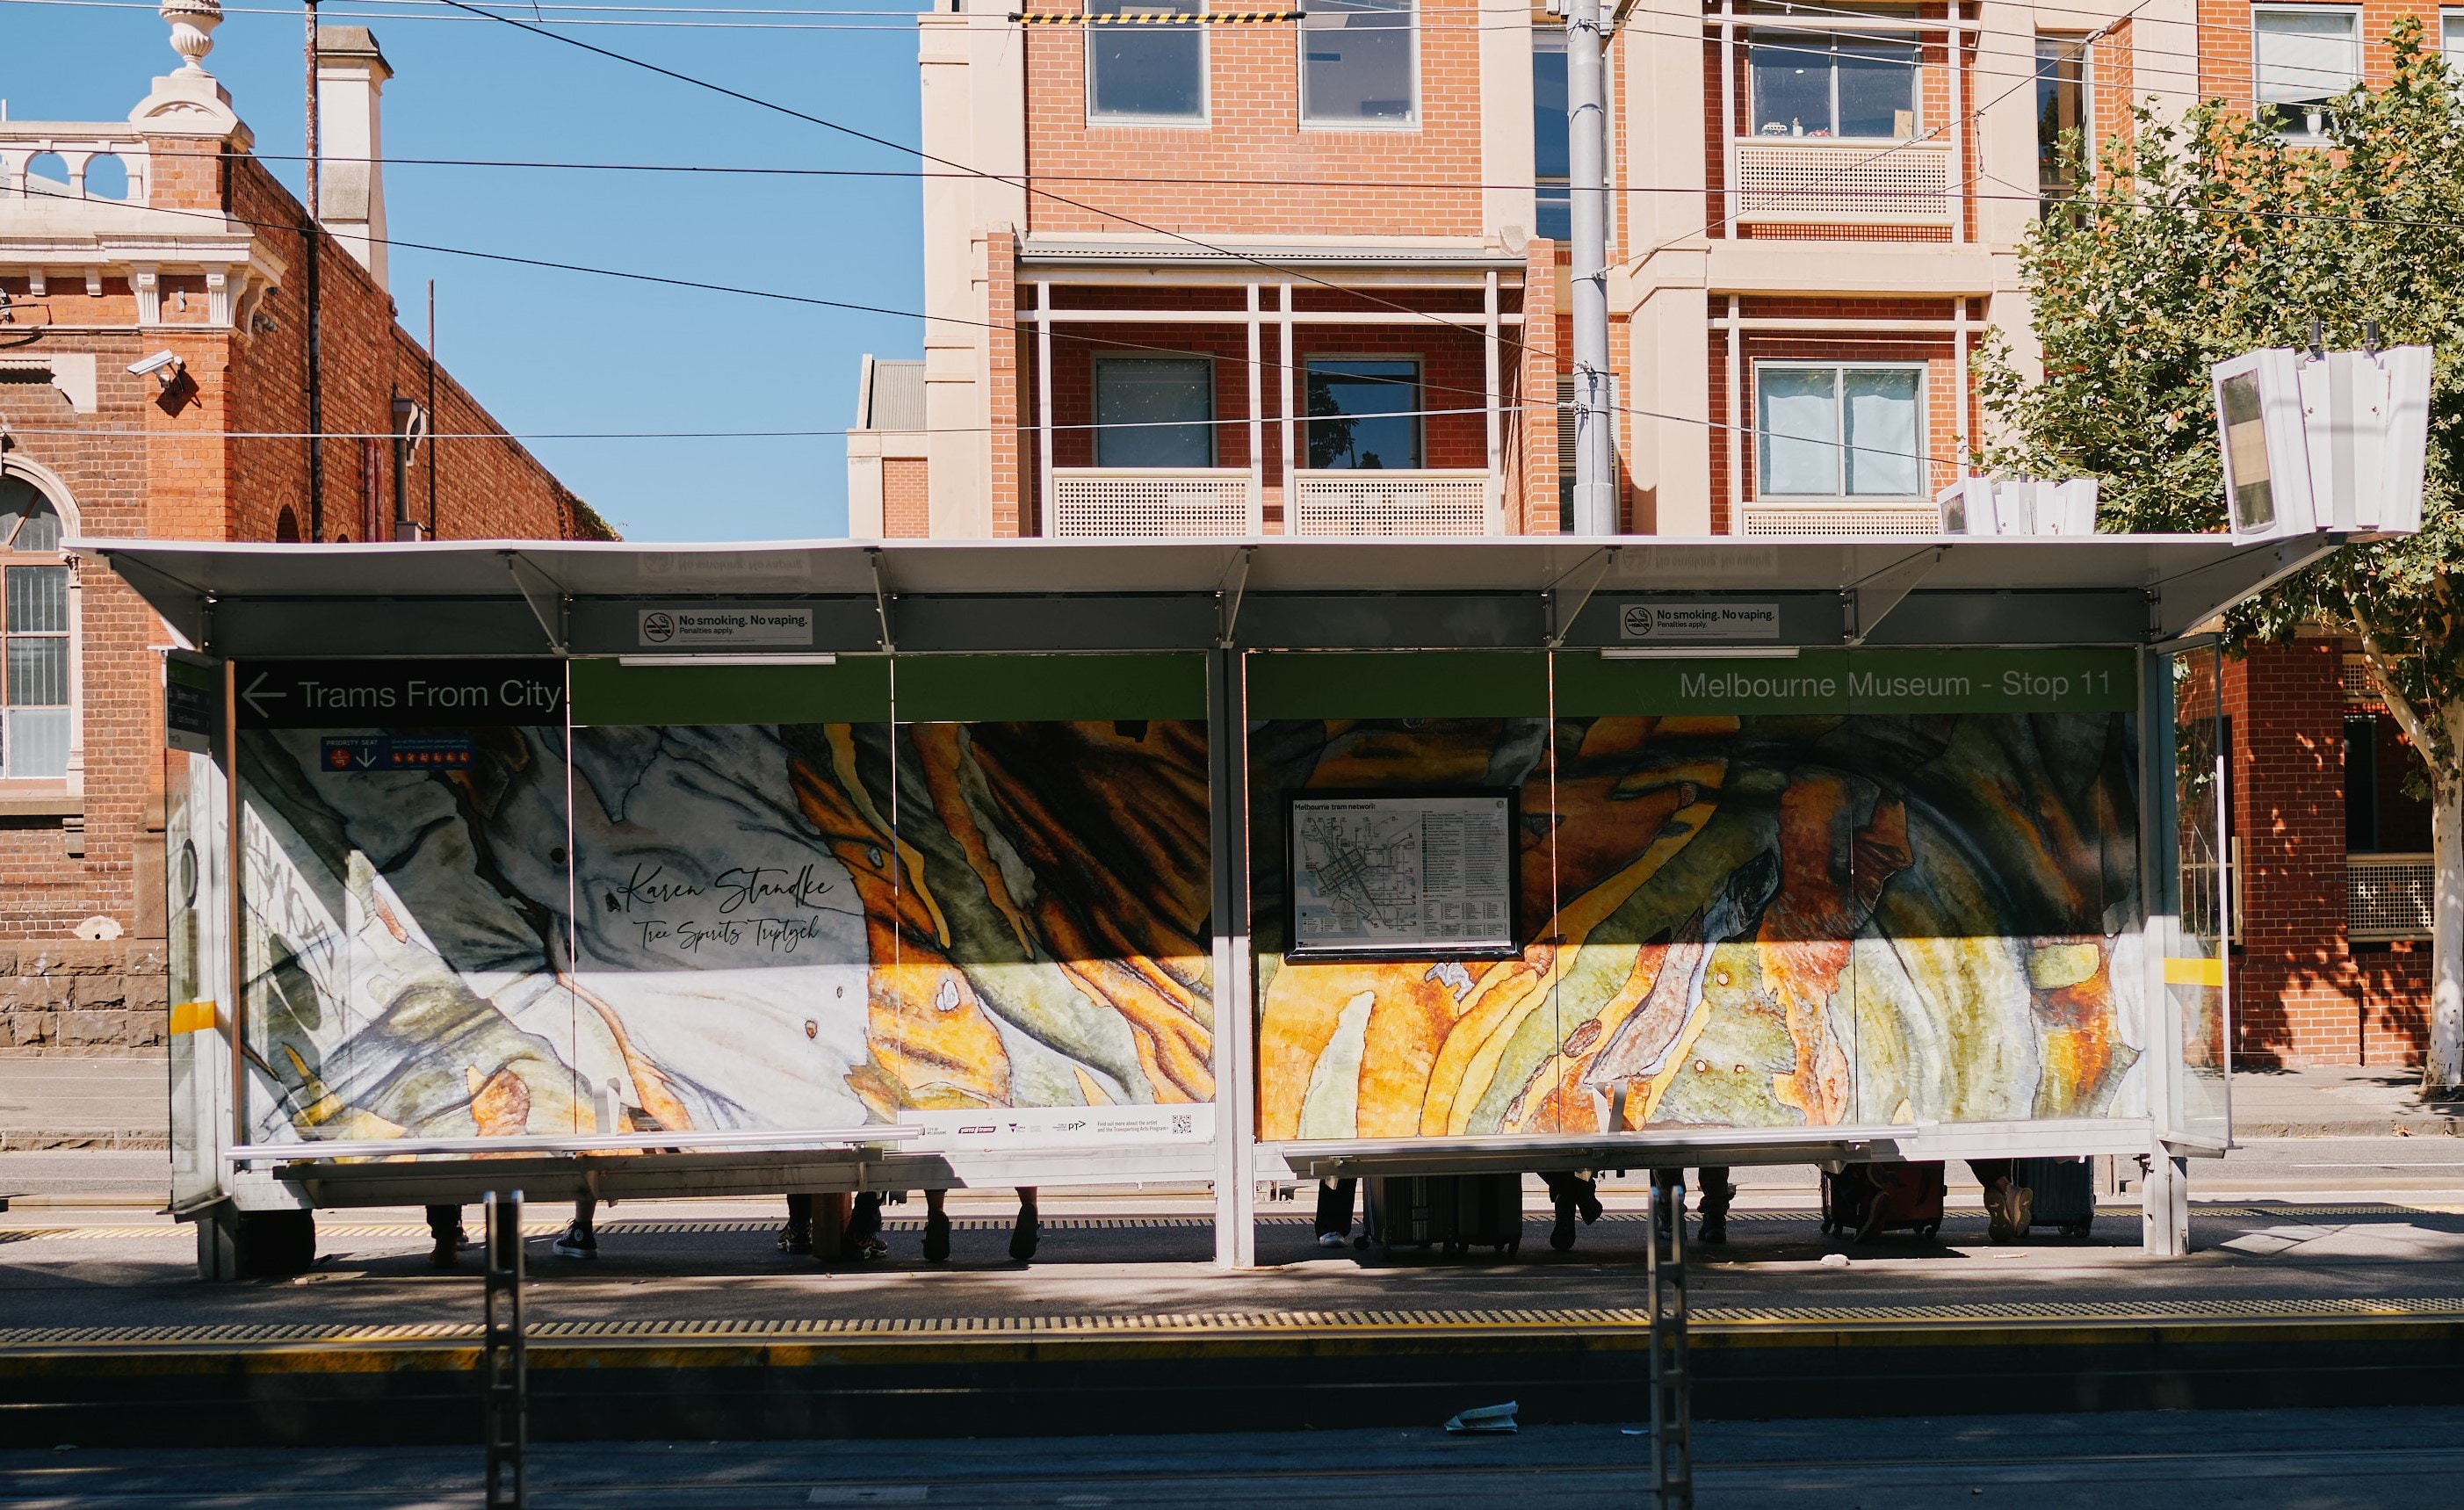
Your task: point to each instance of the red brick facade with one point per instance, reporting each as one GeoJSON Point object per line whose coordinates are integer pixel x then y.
{"type": "Point", "coordinates": [228, 465]}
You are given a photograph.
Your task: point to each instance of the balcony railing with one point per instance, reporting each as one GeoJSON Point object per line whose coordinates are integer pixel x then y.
{"type": "Point", "coordinates": [1802, 180]}
{"type": "Point", "coordinates": [1153, 502]}
{"type": "Point", "coordinates": [2389, 896]}
{"type": "Point", "coordinates": [1421, 502]}
{"type": "Point", "coordinates": [53, 159]}
{"type": "Point", "coordinates": [1841, 518]}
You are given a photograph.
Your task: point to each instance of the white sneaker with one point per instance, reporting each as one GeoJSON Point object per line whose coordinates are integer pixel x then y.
{"type": "Point", "coordinates": [1330, 1239]}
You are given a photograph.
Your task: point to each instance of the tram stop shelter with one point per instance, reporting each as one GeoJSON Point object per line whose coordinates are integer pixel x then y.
{"type": "Point", "coordinates": [669, 870]}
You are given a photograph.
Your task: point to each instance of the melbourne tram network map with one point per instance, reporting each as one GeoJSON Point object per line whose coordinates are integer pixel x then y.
{"type": "Point", "coordinates": [1378, 874]}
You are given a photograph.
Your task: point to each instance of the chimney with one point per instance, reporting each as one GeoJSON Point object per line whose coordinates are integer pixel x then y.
{"type": "Point", "coordinates": [350, 79]}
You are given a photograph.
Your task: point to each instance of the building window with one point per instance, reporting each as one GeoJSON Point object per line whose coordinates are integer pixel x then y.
{"type": "Point", "coordinates": [1364, 414]}
{"type": "Point", "coordinates": [2306, 56]}
{"type": "Point", "coordinates": [1814, 85]}
{"type": "Point", "coordinates": [1155, 411]}
{"type": "Point", "coordinates": [1552, 155]}
{"type": "Point", "coordinates": [35, 702]}
{"type": "Point", "coordinates": [2451, 42]}
{"type": "Point", "coordinates": [2062, 113]}
{"type": "Point", "coordinates": [1357, 63]}
{"type": "Point", "coordinates": [1146, 72]}
{"type": "Point", "coordinates": [1836, 431]}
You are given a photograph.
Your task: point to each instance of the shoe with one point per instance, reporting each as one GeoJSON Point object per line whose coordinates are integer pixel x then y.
{"type": "Point", "coordinates": [797, 1237]}
{"type": "Point", "coordinates": [1591, 1207]}
{"type": "Point", "coordinates": [448, 1251]}
{"type": "Point", "coordinates": [1561, 1237]}
{"type": "Point", "coordinates": [1330, 1239]}
{"type": "Point", "coordinates": [868, 1250]}
{"type": "Point", "coordinates": [937, 1238]}
{"type": "Point", "coordinates": [578, 1242]}
{"type": "Point", "coordinates": [1714, 1233]}
{"type": "Point", "coordinates": [1022, 1237]}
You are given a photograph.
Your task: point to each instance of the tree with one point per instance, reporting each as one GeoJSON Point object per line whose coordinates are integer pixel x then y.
{"type": "Point", "coordinates": [2207, 237]}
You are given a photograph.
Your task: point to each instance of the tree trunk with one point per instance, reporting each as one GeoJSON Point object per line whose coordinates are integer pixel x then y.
{"type": "Point", "coordinates": [2444, 1064]}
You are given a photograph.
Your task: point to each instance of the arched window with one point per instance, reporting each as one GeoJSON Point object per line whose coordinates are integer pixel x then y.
{"type": "Point", "coordinates": [286, 527]}
{"type": "Point", "coordinates": [37, 637]}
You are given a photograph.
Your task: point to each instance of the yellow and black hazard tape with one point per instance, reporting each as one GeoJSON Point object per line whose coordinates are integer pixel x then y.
{"type": "Point", "coordinates": [1151, 18]}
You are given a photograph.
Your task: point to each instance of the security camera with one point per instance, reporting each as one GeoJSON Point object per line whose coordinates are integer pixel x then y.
{"type": "Point", "coordinates": [164, 367]}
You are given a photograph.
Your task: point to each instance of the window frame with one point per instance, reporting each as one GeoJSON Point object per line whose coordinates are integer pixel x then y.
{"type": "Point", "coordinates": [2085, 46]}
{"type": "Point", "coordinates": [69, 782]}
{"type": "Point", "coordinates": [1410, 121]}
{"type": "Point", "coordinates": [1546, 40]}
{"type": "Point", "coordinates": [1840, 442]}
{"type": "Point", "coordinates": [1098, 361]}
{"type": "Point", "coordinates": [2258, 107]}
{"type": "Point", "coordinates": [2451, 17]}
{"type": "Point", "coordinates": [1830, 50]}
{"type": "Point", "coordinates": [1419, 404]}
{"type": "Point", "coordinates": [1202, 121]}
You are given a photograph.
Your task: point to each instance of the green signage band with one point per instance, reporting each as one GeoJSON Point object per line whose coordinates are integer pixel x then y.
{"type": "Point", "coordinates": [856, 690]}
{"type": "Point", "coordinates": [1409, 683]}
{"type": "Point", "coordinates": [2082, 681]}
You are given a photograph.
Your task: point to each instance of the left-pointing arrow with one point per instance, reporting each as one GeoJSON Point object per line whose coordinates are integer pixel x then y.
{"type": "Point", "coordinates": [255, 691]}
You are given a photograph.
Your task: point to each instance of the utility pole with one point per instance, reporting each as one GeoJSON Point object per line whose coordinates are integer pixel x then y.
{"type": "Point", "coordinates": [312, 235]}
{"type": "Point", "coordinates": [1596, 511]}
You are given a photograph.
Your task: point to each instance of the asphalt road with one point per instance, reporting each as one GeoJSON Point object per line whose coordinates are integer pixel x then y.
{"type": "Point", "coordinates": [2289, 1461]}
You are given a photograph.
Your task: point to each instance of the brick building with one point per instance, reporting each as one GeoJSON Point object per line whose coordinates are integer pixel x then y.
{"type": "Point", "coordinates": [154, 356]}
{"type": "Point", "coordinates": [1815, 219]}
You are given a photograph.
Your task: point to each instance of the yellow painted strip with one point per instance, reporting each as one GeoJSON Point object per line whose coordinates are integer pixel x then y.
{"type": "Point", "coordinates": [2194, 972]}
{"type": "Point", "coordinates": [193, 1017]}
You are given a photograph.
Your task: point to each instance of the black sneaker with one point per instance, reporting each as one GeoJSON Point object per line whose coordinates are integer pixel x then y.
{"type": "Point", "coordinates": [936, 1239]}
{"type": "Point", "coordinates": [796, 1237]}
{"type": "Point", "coordinates": [448, 1251]}
{"type": "Point", "coordinates": [1022, 1237]}
{"type": "Point", "coordinates": [1561, 1237]}
{"type": "Point", "coordinates": [578, 1242]}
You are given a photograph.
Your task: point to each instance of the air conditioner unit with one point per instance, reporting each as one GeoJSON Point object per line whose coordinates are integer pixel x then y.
{"type": "Point", "coordinates": [2331, 440]}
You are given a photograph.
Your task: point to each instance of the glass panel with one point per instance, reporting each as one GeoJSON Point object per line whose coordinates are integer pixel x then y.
{"type": "Point", "coordinates": [2306, 58]}
{"type": "Point", "coordinates": [1145, 71]}
{"type": "Point", "coordinates": [193, 844]}
{"type": "Point", "coordinates": [1797, 415]}
{"type": "Point", "coordinates": [1553, 208]}
{"type": "Point", "coordinates": [2254, 497]}
{"type": "Point", "coordinates": [28, 521]}
{"type": "Point", "coordinates": [38, 671]}
{"type": "Point", "coordinates": [406, 939]}
{"type": "Point", "coordinates": [1363, 415]}
{"type": "Point", "coordinates": [2062, 110]}
{"type": "Point", "coordinates": [1877, 90]}
{"type": "Point", "coordinates": [1885, 428]}
{"type": "Point", "coordinates": [1166, 402]}
{"type": "Point", "coordinates": [1791, 86]}
{"type": "Point", "coordinates": [1356, 61]}
{"type": "Point", "coordinates": [2197, 964]}
{"type": "Point", "coordinates": [37, 743]}
{"type": "Point", "coordinates": [38, 597]}
{"type": "Point", "coordinates": [2451, 40]}
{"type": "Point", "coordinates": [1549, 157]}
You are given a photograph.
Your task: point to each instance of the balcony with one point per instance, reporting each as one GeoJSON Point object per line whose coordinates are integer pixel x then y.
{"type": "Point", "coordinates": [1156, 503]}
{"type": "Point", "coordinates": [1847, 518]}
{"type": "Point", "coordinates": [2389, 896]}
{"type": "Point", "coordinates": [1821, 181]}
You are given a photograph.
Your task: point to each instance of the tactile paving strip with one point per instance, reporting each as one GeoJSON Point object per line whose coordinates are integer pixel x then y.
{"type": "Point", "coordinates": [1712, 1318]}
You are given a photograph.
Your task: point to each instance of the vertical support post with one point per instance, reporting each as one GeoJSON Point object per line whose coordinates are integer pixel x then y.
{"type": "Point", "coordinates": [1047, 490]}
{"type": "Point", "coordinates": [2164, 1193]}
{"type": "Point", "coordinates": [1956, 39]}
{"type": "Point", "coordinates": [1727, 118]}
{"type": "Point", "coordinates": [1959, 367]}
{"type": "Point", "coordinates": [1291, 369]}
{"type": "Point", "coordinates": [1227, 786]}
{"type": "Point", "coordinates": [1586, 116]}
{"type": "Point", "coordinates": [1257, 419]}
{"type": "Point", "coordinates": [235, 862]}
{"type": "Point", "coordinates": [1737, 411]}
{"type": "Point", "coordinates": [2165, 1206]}
{"type": "Point", "coordinates": [1672, 1383]}
{"type": "Point", "coordinates": [1496, 493]}
{"type": "Point", "coordinates": [506, 1370]}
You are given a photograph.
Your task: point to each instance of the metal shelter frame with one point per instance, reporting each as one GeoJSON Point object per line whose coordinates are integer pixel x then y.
{"type": "Point", "coordinates": [1230, 601]}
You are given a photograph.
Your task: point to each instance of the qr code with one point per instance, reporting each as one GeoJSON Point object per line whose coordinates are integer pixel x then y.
{"type": "Point", "coordinates": [1185, 1122]}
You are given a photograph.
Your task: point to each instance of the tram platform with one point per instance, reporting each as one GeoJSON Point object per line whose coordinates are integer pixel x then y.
{"type": "Point", "coordinates": [691, 1325]}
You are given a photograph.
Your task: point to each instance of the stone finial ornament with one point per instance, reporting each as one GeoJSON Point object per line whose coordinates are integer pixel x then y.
{"type": "Point", "coordinates": [192, 30]}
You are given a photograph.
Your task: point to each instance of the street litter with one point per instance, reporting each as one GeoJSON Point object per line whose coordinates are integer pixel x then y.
{"type": "Point", "coordinates": [1485, 1418]}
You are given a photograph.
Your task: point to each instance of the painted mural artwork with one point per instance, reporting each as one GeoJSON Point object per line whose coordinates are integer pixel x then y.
{"type": "Point", "coordinates": [1763, 921]}
{"type": "Point", "coordinates": [671, 929]}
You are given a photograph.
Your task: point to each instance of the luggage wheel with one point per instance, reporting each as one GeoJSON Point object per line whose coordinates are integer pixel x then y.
{"type": "Point", "coordinates": [1929, 1229]}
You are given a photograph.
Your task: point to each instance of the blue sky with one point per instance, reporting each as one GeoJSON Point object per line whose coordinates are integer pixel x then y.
{"type": "Point", "coordinates": [551, 351]}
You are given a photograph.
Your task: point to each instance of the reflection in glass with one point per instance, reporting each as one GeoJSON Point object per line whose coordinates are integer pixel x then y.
{"type": "Point", "coordinates": [1364, 415]}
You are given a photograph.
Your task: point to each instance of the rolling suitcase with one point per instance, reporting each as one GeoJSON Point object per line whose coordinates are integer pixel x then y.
{"type": "Point", "coordinates": [1455, 1212]}
{"type": "Point", "coordinates": [1867, 1199]}
{"type": "Point", "coordinates": [2062, 1193]}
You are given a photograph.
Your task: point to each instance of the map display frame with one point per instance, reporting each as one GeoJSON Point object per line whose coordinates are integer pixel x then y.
{"type": "Point", "coordinates": [1380, 907]}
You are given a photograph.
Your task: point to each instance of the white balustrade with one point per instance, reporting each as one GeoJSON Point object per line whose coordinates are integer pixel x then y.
{"type": "Point", "coordinates": [1151, 502]}
{"type": "Point", "coordinates": [1846, 518]}
{"type": "Point", "coordinates": [1817, 181]}
{"type": "Point", "coordinates": [78, 148]}
{"type": "Point", "coordinates": [1390, 503]}
{"type": "Point", "coordinates": [2389, 896]}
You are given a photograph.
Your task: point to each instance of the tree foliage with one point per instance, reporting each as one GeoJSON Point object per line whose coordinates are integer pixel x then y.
{"type": "Point", "coordinates": [2207, 237]}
